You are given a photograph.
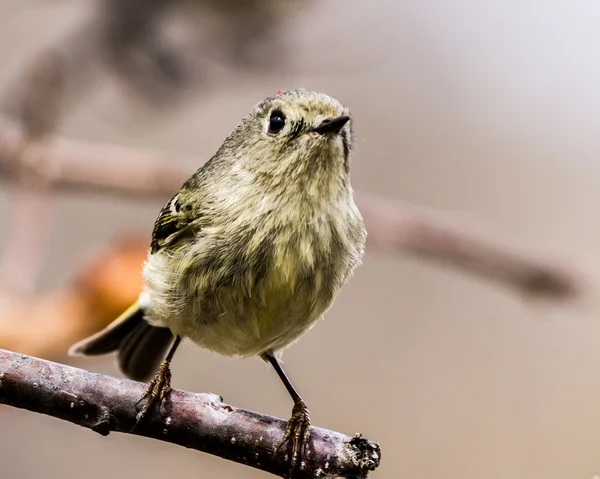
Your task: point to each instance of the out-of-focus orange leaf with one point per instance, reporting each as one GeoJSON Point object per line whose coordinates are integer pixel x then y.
{"type": "Point", "coordinates": [104, 285]}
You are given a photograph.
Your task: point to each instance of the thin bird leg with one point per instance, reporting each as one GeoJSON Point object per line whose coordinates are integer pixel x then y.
{"type": "Point", "coordinates": [297, 429]}
{"type": "Point", "coordinates": [159, 387]}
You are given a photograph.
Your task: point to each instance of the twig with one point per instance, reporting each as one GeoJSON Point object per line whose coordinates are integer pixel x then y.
{"type": "Point", "coordinates": [113, 168]}
{"type": "Point", "coordinates": [392, 226]}
{"type": "Point", "coordinates": [434, 235]}
{"type": "Point", "coordinates": [198, 421]}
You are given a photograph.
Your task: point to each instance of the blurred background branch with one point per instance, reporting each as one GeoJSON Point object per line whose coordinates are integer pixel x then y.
{"type": "Point", "coordinates": [198, 421]}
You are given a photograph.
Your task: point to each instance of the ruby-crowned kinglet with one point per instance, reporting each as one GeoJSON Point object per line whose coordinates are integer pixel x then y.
{"type": "Point", "coordinates": [251, 251]}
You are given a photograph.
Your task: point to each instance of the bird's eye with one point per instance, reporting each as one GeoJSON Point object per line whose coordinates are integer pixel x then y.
{"type": "Point", "coordinates": [276, 122]}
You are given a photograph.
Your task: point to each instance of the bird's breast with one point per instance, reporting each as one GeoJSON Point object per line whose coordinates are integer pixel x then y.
{"type": "Point", "coordinates": [249, 286]}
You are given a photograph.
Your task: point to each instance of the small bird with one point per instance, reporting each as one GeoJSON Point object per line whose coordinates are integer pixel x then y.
{"type": "Point", "coordinates": [251, 251]}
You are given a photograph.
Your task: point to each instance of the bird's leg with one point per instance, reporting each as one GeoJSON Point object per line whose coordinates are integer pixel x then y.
{"type": "Point", "coordinates": [160, 386]}
{"type": "Point", "coordinates": [297, 429]}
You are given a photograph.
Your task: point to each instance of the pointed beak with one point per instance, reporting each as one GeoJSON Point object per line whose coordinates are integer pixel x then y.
{"type": "Point", "coordinates": [333, 125]}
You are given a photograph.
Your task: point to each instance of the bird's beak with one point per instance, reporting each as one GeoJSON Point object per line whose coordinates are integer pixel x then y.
{"type": "Point", "coordinates": [331, 125]}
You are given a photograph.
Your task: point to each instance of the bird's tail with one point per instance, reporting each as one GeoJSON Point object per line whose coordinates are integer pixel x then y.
{"type": "Point", "coordinates": [140, 346]}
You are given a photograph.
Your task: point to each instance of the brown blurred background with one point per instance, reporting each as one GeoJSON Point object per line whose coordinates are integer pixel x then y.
{"type": "Point", "coordinates": [486, 109]}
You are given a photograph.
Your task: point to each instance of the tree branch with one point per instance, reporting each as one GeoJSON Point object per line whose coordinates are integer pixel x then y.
{"type": "Point", "coordinates": [198, 421]}
{"type": "Point", "coordinates": [433, 235]}
{"type": "Point", "coordinates": [109, 168]}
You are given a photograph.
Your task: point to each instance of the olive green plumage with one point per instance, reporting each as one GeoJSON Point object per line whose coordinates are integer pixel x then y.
{"type": "Point", "coordinates": [257, 243]}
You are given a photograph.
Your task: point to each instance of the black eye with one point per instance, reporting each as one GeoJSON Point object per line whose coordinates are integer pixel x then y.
{"type": "Point", "coordinates": [276, 122]}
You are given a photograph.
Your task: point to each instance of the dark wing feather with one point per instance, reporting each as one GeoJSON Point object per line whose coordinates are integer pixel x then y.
{"type": "Point", "coordinates": [174, 219]}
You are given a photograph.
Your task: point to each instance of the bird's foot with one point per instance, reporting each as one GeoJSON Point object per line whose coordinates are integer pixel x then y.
{"type": "Point", "coordinates": [158, 390]}
{"type": "Point", "coordinates": [297, 433]}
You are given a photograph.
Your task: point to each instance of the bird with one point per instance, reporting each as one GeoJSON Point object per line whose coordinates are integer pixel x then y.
{"type": "Point", "coordinates": [250, 253]}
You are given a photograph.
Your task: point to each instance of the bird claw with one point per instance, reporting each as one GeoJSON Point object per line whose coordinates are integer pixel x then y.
{"type": "Point", "coordinates": [158, 390]}
{"type": "Point", "coordinates": [297, 433]}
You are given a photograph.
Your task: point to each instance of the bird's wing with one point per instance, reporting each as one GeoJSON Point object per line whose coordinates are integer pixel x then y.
{"type": "Point", "coordinates": [176, 218]}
